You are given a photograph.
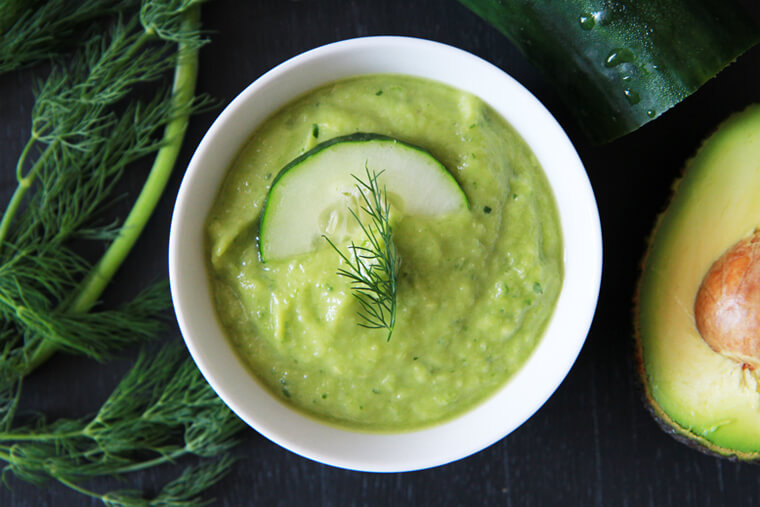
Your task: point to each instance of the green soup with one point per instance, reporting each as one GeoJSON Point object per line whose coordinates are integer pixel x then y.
{"type": "Point", "coordinates": [476, 288]}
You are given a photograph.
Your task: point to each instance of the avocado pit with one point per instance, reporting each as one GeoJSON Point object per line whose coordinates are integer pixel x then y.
{"type": "Point", "coordinates": [727, 308]}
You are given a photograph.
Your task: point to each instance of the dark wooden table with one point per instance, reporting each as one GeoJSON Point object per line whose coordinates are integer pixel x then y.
{"type": "Point", "coordinates": [593, 443]}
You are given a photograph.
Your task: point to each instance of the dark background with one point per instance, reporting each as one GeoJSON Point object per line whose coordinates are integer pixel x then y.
{"type": "Point", "coordinates": [593, 443]}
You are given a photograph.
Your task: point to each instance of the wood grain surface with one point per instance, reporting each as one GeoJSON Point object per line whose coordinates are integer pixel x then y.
{"type": "Point", "coordinates": [593, 442]}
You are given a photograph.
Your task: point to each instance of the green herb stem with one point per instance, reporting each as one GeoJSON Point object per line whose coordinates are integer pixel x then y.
{"type": "Point", "coordinates": [25, 181]}
{"type": "Point", "coordinates": [7, 455]}
{"type": "Point", "coordinates": [92, 127]}
{"type": "Point", "coordinates": [38, 437]}
{"type": "Point", "coordinates": [160, 460]}
{"type": "Point", "coordinates": [183, 91]}
{"type": "Point", "coordinates": [374, 271]}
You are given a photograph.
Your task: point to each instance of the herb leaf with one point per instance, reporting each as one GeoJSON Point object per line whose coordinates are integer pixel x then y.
{"type": "Point", "coordinates": [34, 30]}
{"type": "Point", "coordinates": [161, 411]}
{"type": "Point", "coordinates": [87, 130]}
{"type": "Point", "coordinates": [374, 271]}
{"type": "Point", "coordinates": [93, 118]}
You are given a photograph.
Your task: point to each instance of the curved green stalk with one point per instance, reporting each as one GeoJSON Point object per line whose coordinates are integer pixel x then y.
{"type": "Point", "coordinates": [183, 91]}
{"type": "Point", "coordinates": [24, 184]}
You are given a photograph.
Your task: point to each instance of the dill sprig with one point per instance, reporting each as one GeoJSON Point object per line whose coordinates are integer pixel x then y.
{"type": "Point", "coordinates": [95, 117]}
{"type": "Point", "coordinates": [87, 130]}
{"type": "Point", "coordinates": [374, 271]}
{"type": "Point", "coordinates": [32, 30]}
{"type": "Point", "coordinates": [161, 411]}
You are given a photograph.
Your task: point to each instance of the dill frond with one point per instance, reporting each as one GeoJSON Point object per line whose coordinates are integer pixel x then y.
{"type": "Point", "coordinates": [93, 119]}
{"type": "Point", "coordinates": [32, 31]}
{"type": "Point", "coordinates": [87, 130]}
{"type": "Point", "coordinates": [149, 420]}
{"type": "Point", "coordinates": [374, 271]}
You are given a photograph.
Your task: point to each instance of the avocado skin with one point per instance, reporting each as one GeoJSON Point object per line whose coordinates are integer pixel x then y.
{"type": "Point", "coordinates": [681, 432]}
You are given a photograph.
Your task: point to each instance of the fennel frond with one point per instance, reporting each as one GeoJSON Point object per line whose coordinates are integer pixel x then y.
{"type": "Point", "coordinates": [161, 411]}
{"type": "Point", "coordinates": [88, 129]}
{"type": "Point", "coordinates": [94, 118]}
{"type": "Point", "coordinates": [374, 270]}
{"type": "Point", "coordinates": [32, 31]}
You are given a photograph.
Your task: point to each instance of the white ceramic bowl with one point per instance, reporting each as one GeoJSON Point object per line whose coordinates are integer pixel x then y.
{"type": "Point", "coordinates": [506, 409]}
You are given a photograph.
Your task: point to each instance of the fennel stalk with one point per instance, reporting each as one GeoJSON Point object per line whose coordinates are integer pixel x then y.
{"type": "Point", "coordinates": [88, 126]}
{"type": "Point", "coordinates": [183, 93]}
{"type": "Point", "coordinates": [86, 138]}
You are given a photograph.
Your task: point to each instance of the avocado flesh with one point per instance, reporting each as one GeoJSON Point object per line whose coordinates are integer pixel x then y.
{"type": "Point", "coordinates": [698, 393]}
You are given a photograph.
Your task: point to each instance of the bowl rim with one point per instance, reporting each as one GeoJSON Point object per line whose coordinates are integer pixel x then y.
{"type": "Point", "coordinates": [563, 337]}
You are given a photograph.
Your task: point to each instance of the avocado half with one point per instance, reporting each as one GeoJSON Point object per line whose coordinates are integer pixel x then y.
{"type": "Point", "coordinates": [699, 395]}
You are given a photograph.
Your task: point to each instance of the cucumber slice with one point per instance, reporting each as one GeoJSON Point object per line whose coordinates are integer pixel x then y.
{"type": "Point", "coordinates": [312, 194]}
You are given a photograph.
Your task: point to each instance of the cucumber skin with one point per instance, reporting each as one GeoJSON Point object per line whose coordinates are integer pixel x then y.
{"type": "Point", "coordinates": [674, 47]}
{"type": "Point", "coordinates": [357, 137]}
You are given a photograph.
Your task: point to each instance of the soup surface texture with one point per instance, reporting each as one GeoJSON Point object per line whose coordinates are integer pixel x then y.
{"type": "Point", "coordinates": [476, 287]}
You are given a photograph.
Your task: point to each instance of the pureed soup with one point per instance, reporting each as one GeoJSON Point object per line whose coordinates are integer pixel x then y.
{"type": "Point", "coordinates": [476, 287]}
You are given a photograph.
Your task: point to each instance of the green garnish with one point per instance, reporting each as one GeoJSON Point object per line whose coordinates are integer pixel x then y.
{"type": "Point", "coordinates": [161, 411]}
{"type": "Point", "coordinates": [86, 131]}
{"type": "Point", "coordinates": [374, 271]}
{"type": "Point", "coordinates": [32, 31]}
{"type": "Point", "coordinates": [93, 118]}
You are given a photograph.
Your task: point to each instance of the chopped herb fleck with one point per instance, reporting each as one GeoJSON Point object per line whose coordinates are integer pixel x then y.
{"type": "Point", "coordinates": [486, 209]}
{"type": "Point", "coordinates": [315, 130]}
{"type": "Point", "coordinates": [379, 92]}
